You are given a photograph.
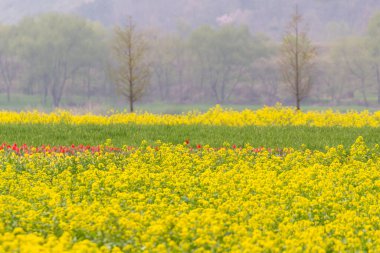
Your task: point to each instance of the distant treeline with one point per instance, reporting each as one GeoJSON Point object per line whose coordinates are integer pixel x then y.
{"type": "Point", "coordinates": [53, 56]}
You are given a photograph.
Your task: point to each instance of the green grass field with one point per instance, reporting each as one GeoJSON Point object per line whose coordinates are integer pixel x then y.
{"type": "Point", "coordinates": [133, 135]}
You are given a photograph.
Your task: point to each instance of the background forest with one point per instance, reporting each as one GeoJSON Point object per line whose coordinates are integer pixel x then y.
{"type": "Point", "coordinates": [201, 52]}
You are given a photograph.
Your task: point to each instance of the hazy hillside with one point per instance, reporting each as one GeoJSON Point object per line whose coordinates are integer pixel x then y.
{"type": "Point", "coordinates": [12, 11]}
{"type": "Point", "coordinates": [326, 18]}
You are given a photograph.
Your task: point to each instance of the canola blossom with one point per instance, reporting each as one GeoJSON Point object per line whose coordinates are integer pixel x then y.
{"type": "Point", "coordinates": [73, 149]}
{"type": "Point", "coordinates": [174, 199]}
{"type": "Point", "coordinates": [267, 116]}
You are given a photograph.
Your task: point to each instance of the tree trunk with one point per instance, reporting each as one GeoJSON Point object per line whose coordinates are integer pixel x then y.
{"type": "Point", "coordinates": [57, 93]}
{"type": "Point", "coordinates": [298, 102]}
{"type": "Point", "coordinates": [55, 96]}
{"type": "Point", "coordinates": [8, 94]}
{"type": "Point", "coordinates": [29, 88]}
{"type": "Point", "coordinates": [46, 89]}
{"type": "Point", "coordinates": [215, 91]}
{"type": "Point", "coordinates": [362, 81]}
{"type": "Point", "coordinates": [297, 69]}
{"type": "Point", "coordinates": [55, 102]}
{"type": "Point", "coordinates": [160, 84]}
{"type": "Point", "coordinates": [131, 95]}
{"type": "Point", "coordinates": [44, 100]}
{"type": "Point", "coordinates": [130, 104]}
{"type": "Point", "coordinates": [180, 80]}
{"type": "Point", "coordinates": [166, 87]}
{"type": "Point", "coordinates": [88, 80]}
{"type": "Point", "coordinates": [224, 84]}
{"type": "Point", "coordinates": [378, 83]}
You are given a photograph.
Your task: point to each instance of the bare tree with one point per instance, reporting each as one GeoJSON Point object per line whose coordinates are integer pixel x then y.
{"type": "Point", "coordinates": [9, 67]}
{"type": "Point", "coordinates": [357, 60]}
{"type": "Point", "coordinates": [9, 64]}
{"type": "Point", "coordinates": [297, 60]}
{"type": "Point", "coordinates": [130, 71]}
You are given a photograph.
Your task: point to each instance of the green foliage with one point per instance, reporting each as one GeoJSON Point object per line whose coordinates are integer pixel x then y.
{"type": "Point", "coordinates": [374, 35]}
{"type": "Point", "coordinates": [225, 55]}
{"type": "Point", "coordinates": [59, 58]}
{"type": "Point", "coordinates": [9, 62]}
{"type": "Point", "coordinates": [55, 48]}
{"type": "Point", "coordinates": [215, 136]}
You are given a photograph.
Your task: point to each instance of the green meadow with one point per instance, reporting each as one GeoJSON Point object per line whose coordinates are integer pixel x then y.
{"type": "Point", "coordinates": [216, 136]}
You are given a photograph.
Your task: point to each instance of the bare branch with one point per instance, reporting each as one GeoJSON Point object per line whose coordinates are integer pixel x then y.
{"type": "Point", "coordinates": [130, 72]}
{"type": "Point", "coordinates": [297, 60]}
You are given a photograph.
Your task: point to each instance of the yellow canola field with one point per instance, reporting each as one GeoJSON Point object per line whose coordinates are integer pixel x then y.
{"type": "Point", "coordinates": [174, 199]}
{"type": "Point", "coordinates": [267, 116]}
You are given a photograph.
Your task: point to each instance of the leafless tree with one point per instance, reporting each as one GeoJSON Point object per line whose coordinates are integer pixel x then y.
{"type": "Point", "coordinates": [9, 63]}
{"type": "Point", "coordinates": [297, 59]}
{"type": "Point", "coordinates": [130, 71]}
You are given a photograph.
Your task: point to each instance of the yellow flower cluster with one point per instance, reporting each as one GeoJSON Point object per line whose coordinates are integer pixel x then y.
{"type": "Point", "coordinates": [267, 116]}
{"type": "Point", "coordinates": [174, 199]}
